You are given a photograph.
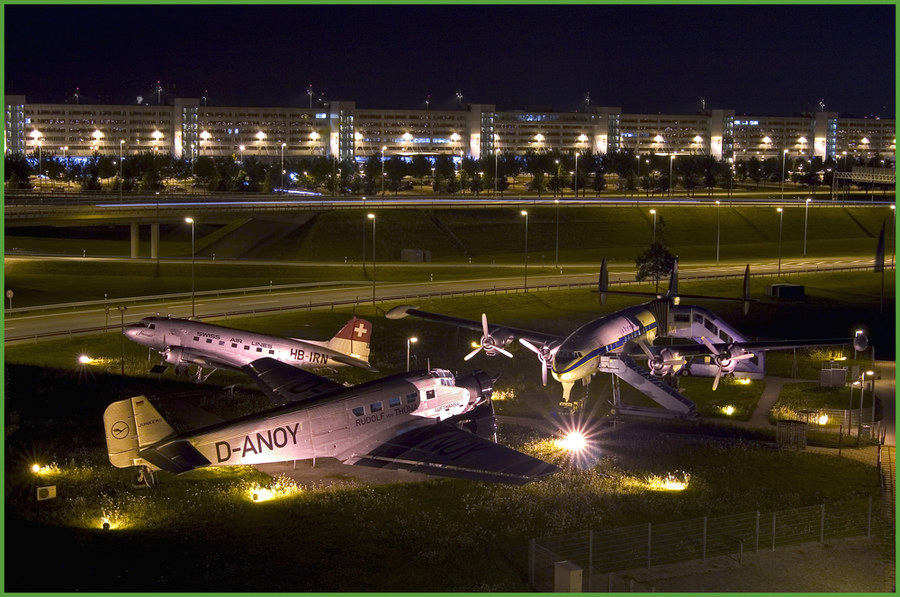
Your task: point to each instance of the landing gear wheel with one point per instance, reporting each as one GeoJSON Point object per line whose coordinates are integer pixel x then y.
{"type": "Point", "coordinates": [685, 372]}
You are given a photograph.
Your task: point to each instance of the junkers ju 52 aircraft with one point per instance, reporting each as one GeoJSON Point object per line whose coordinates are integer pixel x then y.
{"type": "Point", "coordinates": [613, 342]}
{"type": "Point", "coordinates": [426, 421]}
{"type": "Point", "coordinates": [185, 342]}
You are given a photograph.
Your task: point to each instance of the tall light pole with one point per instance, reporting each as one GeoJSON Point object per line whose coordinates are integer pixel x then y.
{"type": "Point", "coordinates": [283, 145]}
{"type": "Point", "coordinates": [372, 217]}
{"type": "Point", "coordinates": [717, 231]}
{"type": "Point", "coordinates": [780, 222]}
{"type": "Point", "coordinates": [575, 175]}
{"type": "Point", "coordinates": [191, 222]}
{"type": "Point", "coordinates": [66, 155]}
{"type": "Point", "coordinates": [241, 147]}
{"type": "Point", "coordinates": [412, 340]}
{"type": "Point", "coordinates": [783, 158]}
{"type": "Point", "coordinates": [121, 182]}
{"type": "Point", "coordinates": [862, 395]}
{"type": "Point", "coordinates": [496, 162]}
{"type": "Point", "coordinates": [383, 149]}
{"type": "Point", "coordinates": [122, 309]}
{"type": "Point", "coordinates": [525, 213]}
{"type": "Point", "coordinates": [805, 221]}
{"type": "Point", "coordinates": [671, 161]}
{"type": "Point", "coordinates": [557, 233]}
{"type": "Point", "coordinates": [653, 212]}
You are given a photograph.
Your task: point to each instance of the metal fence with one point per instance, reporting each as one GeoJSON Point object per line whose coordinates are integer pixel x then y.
{"type": "Point", "coordinates": [600, 553]}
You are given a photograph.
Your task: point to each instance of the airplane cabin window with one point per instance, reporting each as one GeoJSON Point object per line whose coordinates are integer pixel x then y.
{"type": "Point", "coordinates": [411, 398]}
{"type": "Point", "coordinates": [429, 394]}
{"type": "Point", "coordinates": [221, 343]}
{"type": "Point", "coordinates": [258, 349]}
{"type": "Point", "coordinates": [359, 411]}
{"type": "Point", "coordinates": [376, 407]}
{"type": "Point", "coordinates": [698, 318]}
{"type": "Point", "coordinates": [271, 352]}
{"type": "Point", "coordinates": [196, 338]}
{"type": "Point", "coordinates": [233, 345]}
{"type": "Point", "coordinates": [394, 402]}
{"type": "Point", "coordinates": [246, 348]}
{"type": "Point", "coordinates": [209, 340]}
{"type": "Point", "coordinates": [152, 326]}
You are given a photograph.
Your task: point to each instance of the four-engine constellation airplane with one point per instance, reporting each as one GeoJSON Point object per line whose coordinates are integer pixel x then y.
{"type": "Point", "coordinates": [185, 342]}
{"type": "Point", "coordinates": [612, 342]}
{"type": "Point", "coordinates": [425, 421]}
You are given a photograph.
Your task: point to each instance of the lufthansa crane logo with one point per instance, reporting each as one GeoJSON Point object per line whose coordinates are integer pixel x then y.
{"type": "Point", "coordinates": [119, 430]}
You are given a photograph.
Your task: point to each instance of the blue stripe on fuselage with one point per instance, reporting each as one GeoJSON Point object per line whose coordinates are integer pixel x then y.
{"type": "Point", "coordinates": [609, 347]}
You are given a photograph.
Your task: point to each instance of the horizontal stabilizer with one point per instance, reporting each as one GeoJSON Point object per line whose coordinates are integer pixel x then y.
{"type": "Point", "coordinates": [178, 456]}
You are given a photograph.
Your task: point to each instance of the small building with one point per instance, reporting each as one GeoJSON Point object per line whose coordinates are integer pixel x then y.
{"type": "Point", "coordinates": [415, 255]}
{"type": "Point", "coordinates": [786, 291]}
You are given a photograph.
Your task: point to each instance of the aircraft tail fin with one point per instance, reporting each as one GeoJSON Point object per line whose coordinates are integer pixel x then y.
{"type": "Point", "coordinates": [353, 339]}
{"type": "Point", "coordinates": [131, 425]}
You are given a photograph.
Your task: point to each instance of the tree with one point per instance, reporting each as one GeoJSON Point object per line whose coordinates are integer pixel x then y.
{"type": "Point", "coordinates": [654, 263]}
{"type": "Point", "coordinates": [599, 182]}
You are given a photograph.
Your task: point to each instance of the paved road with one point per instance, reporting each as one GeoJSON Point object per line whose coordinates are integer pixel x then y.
{"type": "Point", "coordinates": [31, 326]}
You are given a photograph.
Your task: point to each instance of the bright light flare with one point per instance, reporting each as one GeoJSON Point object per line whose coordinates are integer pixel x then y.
{"type": "Point", "coordinates": [728, 410]}
{"type": "Point", "coordinates": [85, 359]}
{"type": "Point", "coordinates": [281, 487]}
{"type": "Point", "coordinates": [46, 469]}
{"type": "Point", "coordinates": [574, 441]}
{"type": "Point", "coordinates": [744, 381]}
{"type": "Point", "coordinates": [822, 420]}
{"type": "Point", "coordinates": [670, 482]}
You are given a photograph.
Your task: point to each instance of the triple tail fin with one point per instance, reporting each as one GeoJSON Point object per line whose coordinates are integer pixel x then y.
{"type": "Point", "coordinates": [353, 339]}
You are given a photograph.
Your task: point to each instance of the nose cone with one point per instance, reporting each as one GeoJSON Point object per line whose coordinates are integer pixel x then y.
{"type": "Point", "coordinates": [137, 333]}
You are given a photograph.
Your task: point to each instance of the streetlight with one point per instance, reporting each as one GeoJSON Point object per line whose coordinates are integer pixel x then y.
{"type": "Point", "coordinates": [383, 149]}
{"type": "Point", "coordinates": [575, 175]}
{"type": "Point", "coordinates": [412, 340]}
{"type": "Point", "coordinates": [557, 232]}
{"type": "Point", "coordinates": [66, 155]}
{"type": "Point", "coordinates": [671, 161]}
{"type": "Point", "coordinates": [780, 222]}
{"type": "Point", "coordinates": [241, 147]}
{"type": "Point", "coordinates": [862, 395]}
{"type": "Point", "coordinates": [496, 162]}
{"type": "Point", "coordinates": [805, 220]}
{"type": "Point", "coordinates": [121, 145]}
{"type": "Point", "coordinates": [717, 231]}
{"type": "Point", "coordinates": [372, 217]}
{"type": "Point", "coordinates": [525, 213]}
{"type": "Point", "coordinates": [191, 222]}
{"type": "Point", "coordinates": [283, 145]}
{"type": "Point", "coordinates": [122, 309]}
{"type": "Point", "coordinates": [783, 158]}
{"type": "Point", "coordinates": [653, 211]}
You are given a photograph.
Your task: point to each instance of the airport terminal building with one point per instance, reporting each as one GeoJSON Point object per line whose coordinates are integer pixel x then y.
{"type": "Point", "coordinates": [188, 128]}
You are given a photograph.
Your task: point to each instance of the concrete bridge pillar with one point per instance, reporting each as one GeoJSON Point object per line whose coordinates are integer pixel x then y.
{"type": "Point", "coordinates": [135, 240]}
{"type": "Point", "coordinates": [154, 241]}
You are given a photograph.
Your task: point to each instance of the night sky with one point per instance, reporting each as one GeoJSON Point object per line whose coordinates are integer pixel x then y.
{"type": "Point", "coordinates": [763, 60]}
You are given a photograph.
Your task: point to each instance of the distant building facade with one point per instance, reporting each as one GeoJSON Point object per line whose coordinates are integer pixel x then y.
{"type": "Point", "coordinates": [188, 129]}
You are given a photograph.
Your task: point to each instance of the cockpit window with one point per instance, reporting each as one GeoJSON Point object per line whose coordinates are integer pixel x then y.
{"type": "Point", "coordinates": [568, 355]}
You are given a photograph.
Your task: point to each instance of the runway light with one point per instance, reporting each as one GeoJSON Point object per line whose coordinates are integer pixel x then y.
{"type": "Point", "coordinates": [281, 487]}
{"type": "Point", "coordinates": [822, 420]}
{"type": "Point", "coordinates": [728, 410]}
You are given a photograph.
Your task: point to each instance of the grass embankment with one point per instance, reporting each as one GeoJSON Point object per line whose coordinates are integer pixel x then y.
{"type": "Point", "coordinates": [486, 236]}
{"type": "Point", "coordinates": [202, 532]}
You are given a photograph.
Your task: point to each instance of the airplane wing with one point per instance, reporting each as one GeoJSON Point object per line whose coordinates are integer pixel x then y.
{"type": "Point", "coordinates": [445, 450]}
{"type": "Point", "coordinates": [694, 348]}
{"type": "Point", "coordinates": [503, 334]}
{"type": "Point", "coordinates": [285, 384]}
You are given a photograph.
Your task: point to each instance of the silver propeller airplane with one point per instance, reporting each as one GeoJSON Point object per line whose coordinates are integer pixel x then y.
{"type": "Point", "coordinates": [185, 342]}
{"type": "Point", "coordinates": [611, 344]}
{"type": "Point", "coordinates": [426, 421]}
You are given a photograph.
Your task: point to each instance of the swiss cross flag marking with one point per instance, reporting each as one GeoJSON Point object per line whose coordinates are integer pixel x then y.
{"type": "Point", "coordinates": [360, 330]}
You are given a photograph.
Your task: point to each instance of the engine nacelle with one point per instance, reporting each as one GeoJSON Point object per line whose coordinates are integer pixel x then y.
{"type": "Point", "coordinates": [479, 384]}
{"type": "Point", "coordinates": [666, 361]}
{"type": "Point", "coordinates": [181, 357]}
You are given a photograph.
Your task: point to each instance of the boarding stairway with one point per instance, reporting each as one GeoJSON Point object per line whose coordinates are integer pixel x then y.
{"type": "Point", "coordinates": [653, 386]}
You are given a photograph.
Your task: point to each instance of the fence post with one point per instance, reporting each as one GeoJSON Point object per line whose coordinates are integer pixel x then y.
{"type": "Point", "coordinates": [650, 543]}
{"type": "Point", "coordinates": [757, 530]}
{"type": "Point", "coordinates": [531, 563]}
{"type": "Point", "coordinates": [822, 527]}
{"type": "Point", "coordinates": [773, 531]}
{"type": "Point", "coordinates": [704, 538]}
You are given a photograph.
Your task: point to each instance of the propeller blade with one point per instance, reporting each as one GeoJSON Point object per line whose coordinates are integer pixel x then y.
{"type": "Point", "coordinates": [529, 346]}
{"type": "Point", "coordinates": [471, 354]}
{"type": "Point", "coordinates": [645, 348]}
{"type": "Point", "coordinates": [543, 374]}
{"type": "Point", "coordinates": [716, 380]}
{"type": "Point", "coordinates": [484, 325]}
{"type": "Point", "coordinates": [740, 357]}
{"type": "Point", "coordinates": [503, 352]}
{"type": "Point", "coordinates": [712, 347]}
